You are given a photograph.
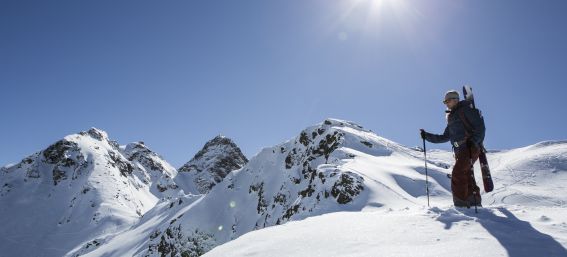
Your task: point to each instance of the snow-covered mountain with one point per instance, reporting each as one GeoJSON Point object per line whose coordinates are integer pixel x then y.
{"type": "Point", "coordinates": [210, 165]}
{"type": "Point", "coordinates": [78, 189]}
{"type": "Point", "coordinates": [335, 189]}
{"type": "Point", "coordinates": [332, 166]}
{"type": "Point", "coordinates": [525, 215]}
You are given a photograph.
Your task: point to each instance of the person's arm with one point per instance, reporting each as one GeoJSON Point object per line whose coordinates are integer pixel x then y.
{"type": "Point", "coordinates": [436, 139]}
{"type": "Point", "coordinates": [475, 120]}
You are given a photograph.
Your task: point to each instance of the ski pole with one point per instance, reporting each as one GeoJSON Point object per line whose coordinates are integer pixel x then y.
{"type": "Point", "coordinates": [426, 175]}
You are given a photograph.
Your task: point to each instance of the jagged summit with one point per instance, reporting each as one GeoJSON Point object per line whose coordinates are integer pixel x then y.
{"type": "Point", "coordinates": [335, 139]}
{"type": "Point", "coordinates": [95, 133]}
{"type": "Point", "coordinates": [83, 184]}
{"type": "Point", "coordinates": [138, 148]}
{"type": "Point", "coordinates": [219, 140]}
{"type": "Point", "coordinates": [341, 123]}
{"type": "Point", "coordinates": [218, 157]}
{"type": "Point", "coordinates": [152, 168]}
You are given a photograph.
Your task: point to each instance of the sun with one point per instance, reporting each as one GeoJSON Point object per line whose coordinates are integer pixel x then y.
{"type": "Point", "coordinates": [371, 16]}
{"type": "Point", "coordinates": [376, 4]}
{"type": "Point", "coordinates": [377, 8]}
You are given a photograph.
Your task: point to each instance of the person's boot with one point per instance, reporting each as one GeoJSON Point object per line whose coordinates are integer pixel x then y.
{"type": "Point", "coordinates": [460, 203]}
{"type": "Point", "coordinates": [471, 201]}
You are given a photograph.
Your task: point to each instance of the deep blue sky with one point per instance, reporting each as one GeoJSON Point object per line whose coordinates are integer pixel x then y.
{"type": "Point", "coordinates": [176, 73]}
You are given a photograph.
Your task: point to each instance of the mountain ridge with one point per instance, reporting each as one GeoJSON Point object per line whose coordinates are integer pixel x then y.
{"type": "Point", "coordinates": [332, 166]}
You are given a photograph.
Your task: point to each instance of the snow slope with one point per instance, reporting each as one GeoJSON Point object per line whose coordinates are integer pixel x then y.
{"type": "Point", "coordinates": [445, 231]}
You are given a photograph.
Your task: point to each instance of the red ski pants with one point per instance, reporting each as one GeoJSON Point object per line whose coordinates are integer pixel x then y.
{"type": "Point", "coordinates": [462, 178]}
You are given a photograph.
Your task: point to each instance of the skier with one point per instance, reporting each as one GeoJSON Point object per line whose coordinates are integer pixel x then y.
{"type": "Point", "coordinates": [465, 129]}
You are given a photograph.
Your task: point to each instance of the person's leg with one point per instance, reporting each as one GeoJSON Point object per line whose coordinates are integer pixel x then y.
{"type": "Point", "coordinates": [473, 189]}
{"type": "Point", "coordinates": [461, 178]}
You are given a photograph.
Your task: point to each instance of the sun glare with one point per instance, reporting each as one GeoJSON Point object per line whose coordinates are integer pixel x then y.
{"type": "Point", "coordinates": [371, 16]}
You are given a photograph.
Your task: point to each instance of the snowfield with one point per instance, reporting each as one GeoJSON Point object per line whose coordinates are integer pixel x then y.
{"type": "Point", "coordinates": [336, 189]}
{"type": "Point", "coordinates": [420, 231]}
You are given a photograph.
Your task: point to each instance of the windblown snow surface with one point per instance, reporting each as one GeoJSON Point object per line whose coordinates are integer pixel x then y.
{"type": "Point", "coordinates": [337, 189]}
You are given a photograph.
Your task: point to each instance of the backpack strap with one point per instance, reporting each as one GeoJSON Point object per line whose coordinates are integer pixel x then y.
{"type": "Point", "coordinates": [465, 121]}
{"type": "Point", "coordinates": [468, 128]}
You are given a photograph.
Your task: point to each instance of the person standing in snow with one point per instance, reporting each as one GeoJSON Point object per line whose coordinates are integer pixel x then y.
{"type": "Point", "coordinates": [465, 129]}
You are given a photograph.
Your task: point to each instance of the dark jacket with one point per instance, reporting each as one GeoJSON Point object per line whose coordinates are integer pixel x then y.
{"type": "Point", "coordinates": [456, 129]}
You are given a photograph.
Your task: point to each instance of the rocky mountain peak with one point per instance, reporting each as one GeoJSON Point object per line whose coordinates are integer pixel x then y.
{"type": "Point", "coordinates": [152, 163]}
{"type": "Point", "coordinates": [219, 141]}
{"type": "Point", "coordinates": [96, 133]}
{"type": "Point", "coordinates": [218, 157]}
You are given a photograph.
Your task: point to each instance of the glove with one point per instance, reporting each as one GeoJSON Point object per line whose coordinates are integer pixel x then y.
{"type": "Point", "coordinates": [473, 146]}
{"type": "Point", "coordinates": [422, 133]}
